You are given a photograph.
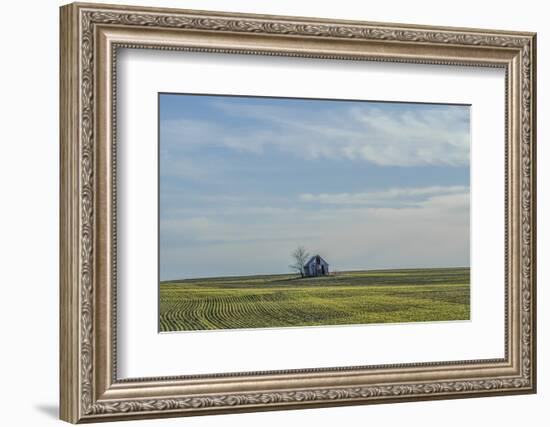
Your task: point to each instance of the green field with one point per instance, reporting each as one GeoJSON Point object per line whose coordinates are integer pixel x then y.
{"type": "Point", "coordinates": [344, 298]}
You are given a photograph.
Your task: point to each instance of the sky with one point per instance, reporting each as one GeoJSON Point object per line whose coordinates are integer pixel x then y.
{"type": "Point", "coordinates": [367, 185]}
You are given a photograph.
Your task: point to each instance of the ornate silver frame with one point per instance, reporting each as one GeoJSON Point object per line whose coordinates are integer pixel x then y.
{"type": "Point", "coordinates": [90, 36]}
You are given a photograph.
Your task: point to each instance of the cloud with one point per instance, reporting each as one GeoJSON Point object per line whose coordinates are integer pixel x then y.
{"type": "Point", "coordinates": [415, 227]}
{"type": "Point", "coordinates": [400, 195]}
{"type": "Point", "coordinates": [405, 136]}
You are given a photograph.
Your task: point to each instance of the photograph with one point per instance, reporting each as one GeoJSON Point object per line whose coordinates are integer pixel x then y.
{"type": "Point", "coordinates": [297, 212]}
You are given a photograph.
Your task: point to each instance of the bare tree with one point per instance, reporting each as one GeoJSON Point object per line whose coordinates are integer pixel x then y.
{"type": "Point", "coordinates": [300, 256]}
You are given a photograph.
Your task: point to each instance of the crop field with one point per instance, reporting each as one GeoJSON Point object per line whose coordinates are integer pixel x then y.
{"type": "Point", "coordinates": [344, 298]}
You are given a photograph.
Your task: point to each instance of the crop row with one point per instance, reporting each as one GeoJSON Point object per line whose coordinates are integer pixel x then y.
{"type": "Point", "coordinates": [184, 308]}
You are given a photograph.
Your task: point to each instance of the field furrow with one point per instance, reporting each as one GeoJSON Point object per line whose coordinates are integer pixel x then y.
{"type": "Point", "coordinates": [345, 298]}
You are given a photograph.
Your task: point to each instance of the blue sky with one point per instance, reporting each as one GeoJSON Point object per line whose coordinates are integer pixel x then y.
{"type": "Point", "coordinates": [245, 180]}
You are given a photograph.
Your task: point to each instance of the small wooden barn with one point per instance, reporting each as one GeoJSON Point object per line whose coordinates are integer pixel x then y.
{"type": "Point", "coordinates": [316, 266]}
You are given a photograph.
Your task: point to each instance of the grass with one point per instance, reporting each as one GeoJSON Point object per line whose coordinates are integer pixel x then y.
{"type": "Point", "coordinates": [345, 298]}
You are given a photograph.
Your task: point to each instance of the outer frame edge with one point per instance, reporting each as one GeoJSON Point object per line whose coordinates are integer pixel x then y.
{"type": "Point", "coordinates": [68, 224]}
{"type": "Point", "coordinates": [69, 330]}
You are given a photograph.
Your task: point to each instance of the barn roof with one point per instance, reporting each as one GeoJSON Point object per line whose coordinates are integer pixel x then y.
{"type": "Point", "coordinates": [312, 259]}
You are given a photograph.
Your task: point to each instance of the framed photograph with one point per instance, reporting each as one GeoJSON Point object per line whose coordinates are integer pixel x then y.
{"type": "Point", "coordinates": [267, 212]}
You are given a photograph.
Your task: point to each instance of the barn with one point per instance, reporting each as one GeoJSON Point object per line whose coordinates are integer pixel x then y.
{"type": "Point", "coordinates": [316, 266]}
